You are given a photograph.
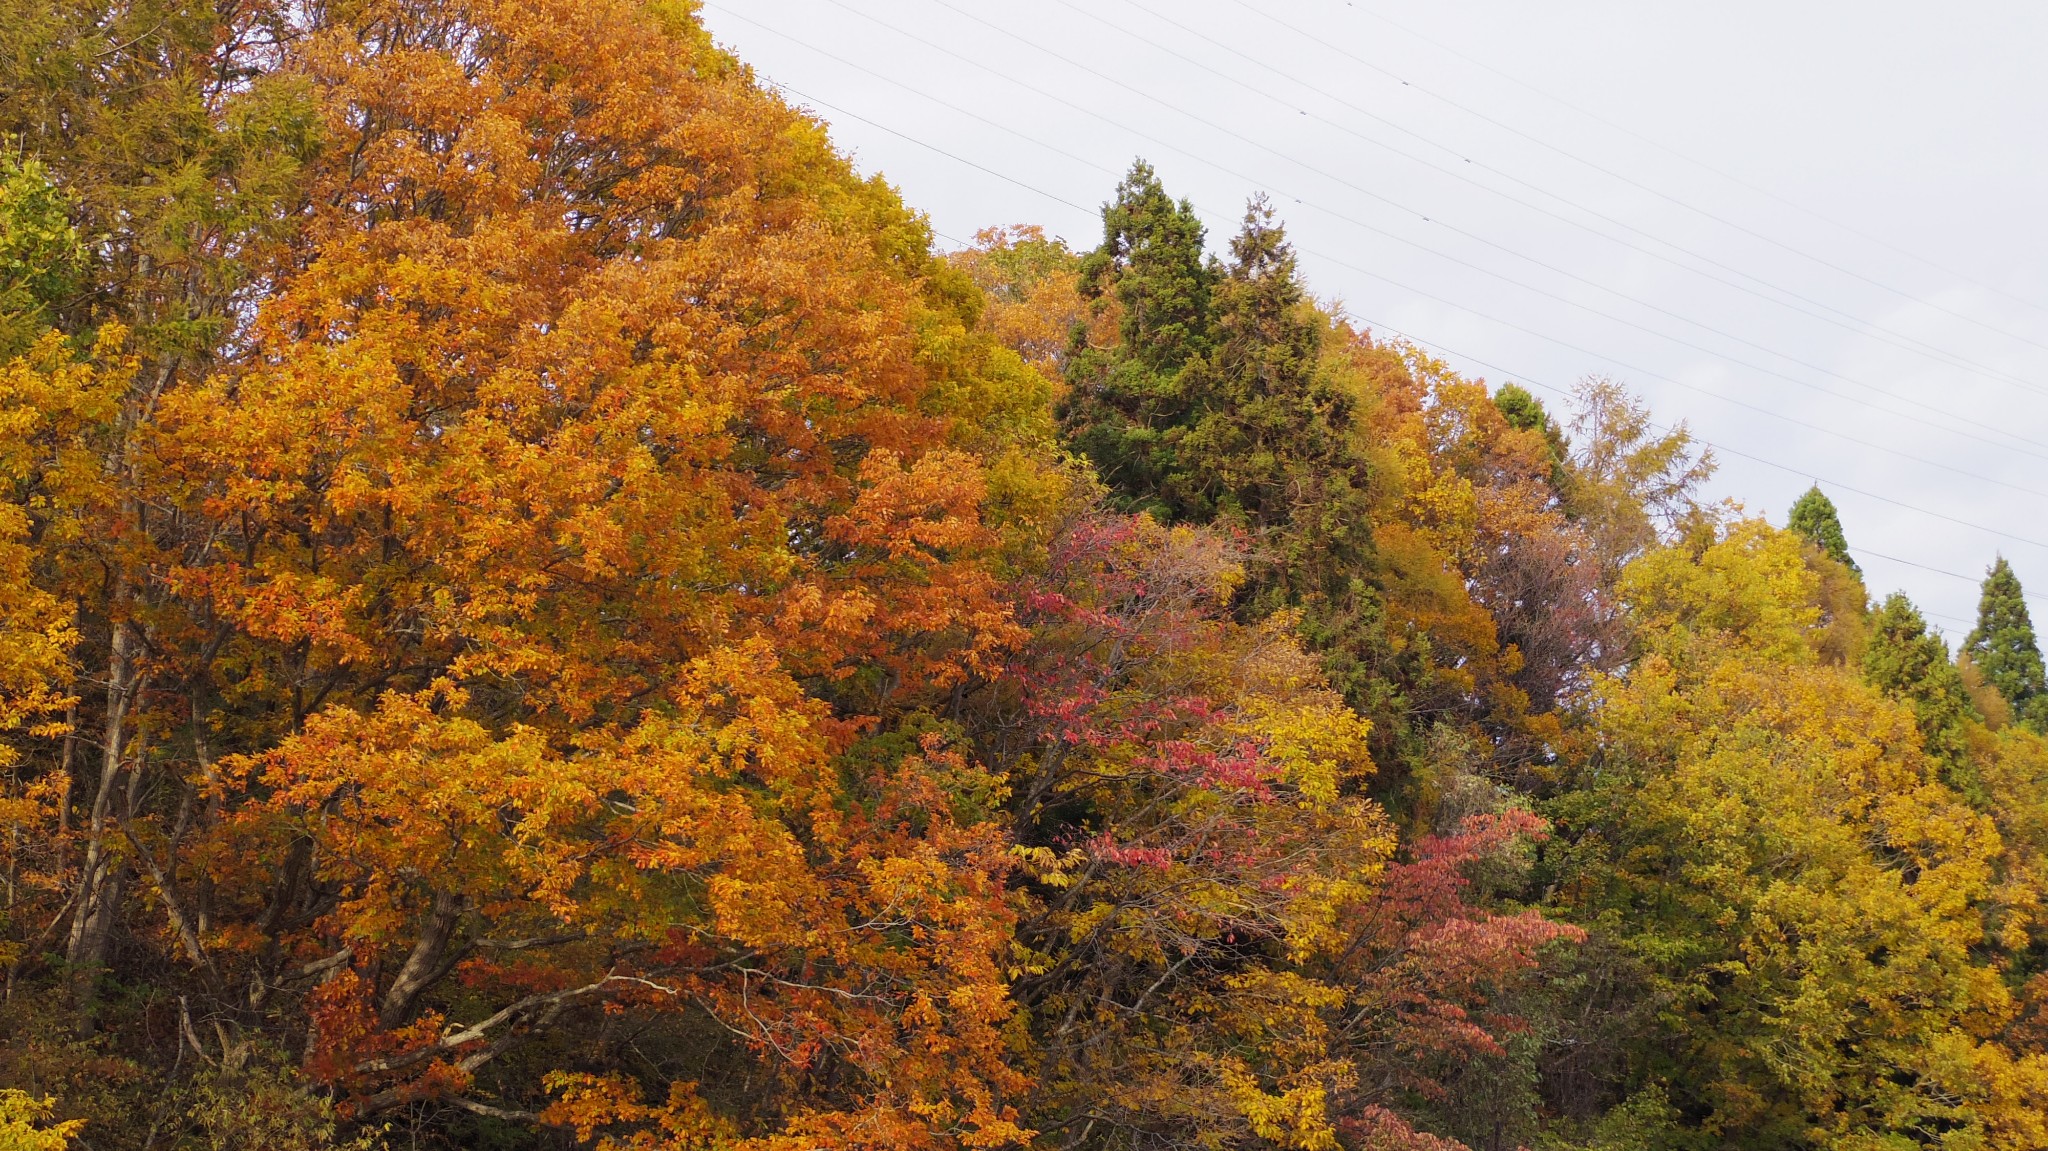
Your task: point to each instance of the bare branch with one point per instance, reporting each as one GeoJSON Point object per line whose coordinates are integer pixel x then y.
{"type": "Point", "coordinates": [323, 966]}
{"type": "Point", "coordinates": [528, 944]}
{"type": "Point", "coordinates": [477, 1032]}
{"type": "Point", "coordinates": [505, 1113]}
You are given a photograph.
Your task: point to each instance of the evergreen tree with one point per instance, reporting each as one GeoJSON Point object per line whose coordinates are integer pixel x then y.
{"type": "Point", "coordinates": [2003, 646]}
{"type": "Point", "coordinates": [1905, 661]}
{"type": "Point", "coordinates": [1213, 404]}
{"type": "Point", "coordinates": [1127, 409]}
{"type": "Point", "coordinates": [1521, 409]}
{"type": "Point", "coordinates": [1269, 445]}
{"type": "Point", "coordinates": [1524, 412]}
{"type": "Point", "coordinates": [1814, 517]}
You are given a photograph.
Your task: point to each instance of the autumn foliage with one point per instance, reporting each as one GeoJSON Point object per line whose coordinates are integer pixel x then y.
{"type": "Point", "coordinates": [537, 611]}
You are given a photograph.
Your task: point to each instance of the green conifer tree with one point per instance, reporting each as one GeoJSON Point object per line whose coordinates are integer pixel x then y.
{"type": "Point", "coordinates": [1907, 662]}
{"type": "Point", "coordinates": [1213, 404]}
{"type": "Point", "coordinates": [1525, 412]}
{"type": "Point", "coordinates": [1814, 517]}
{"type": "Point", "coordinates": [1127, 407]}
{"type": "Point", "coordinates": [1271, 446]}
{"type": "Point", "coordinates": [2004, 648]}
{"type": "Point", "coordinates": [1265, 428]}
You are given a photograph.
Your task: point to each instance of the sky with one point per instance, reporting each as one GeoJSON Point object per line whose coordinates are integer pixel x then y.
{"type": "Point", "coordinates": [1814, 233]}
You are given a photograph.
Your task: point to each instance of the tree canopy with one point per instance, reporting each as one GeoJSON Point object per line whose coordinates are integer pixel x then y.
{"type": "Point", "coordinates": [2002, 646]}
{"type": "Point", "coordinates": [538, 610]}
{"type": "Point", "coordinates": [1814, 519]}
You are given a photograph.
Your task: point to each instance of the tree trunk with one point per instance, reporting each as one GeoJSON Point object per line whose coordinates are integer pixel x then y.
{"type": "Point", "coordinates": [425, 964]}
{"type": "Point", "coordinates": [100, 876]}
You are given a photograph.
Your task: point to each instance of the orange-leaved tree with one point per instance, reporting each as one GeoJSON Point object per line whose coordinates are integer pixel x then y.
{"type": "Point", "coordinates": [513, 615]}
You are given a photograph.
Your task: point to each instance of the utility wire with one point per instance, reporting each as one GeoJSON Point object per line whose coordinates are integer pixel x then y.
{"type": "Point", "coordinates": [1682, 429]}
{"type": "Point", "coordinates": [1681, 318]}
{"type": "Point", "coordinates": [1456, 260]}
{"type": "Point", "coordinates": [1719, 447]}
{"type": "Point", "coordinates": [1695, 161]}
{"type": "Point", "coordinates": [1711, 445]}
{"type": "Point", "coordinates": [1505, 372]}
{"type": "Point", "coordinates": [1854, 324]}
{"type": "Point", "coordinates": [1923, 567]}
{"type": "Point", "coordinates": [1675, 381]}
{"type": "Point", "coordinates": [1660, 194]}
{"type": "Point", "coordinates": [1426, 218]}
{"type": "Point", "coordinates": [1824, 430]}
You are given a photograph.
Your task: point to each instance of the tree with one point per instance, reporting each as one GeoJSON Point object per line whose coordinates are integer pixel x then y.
{"type": "Point", "coordinates": [25, 1125]}
{"type": "Point", "coordinates": [180, 159]}
{"type": "Point", "coordinates": [1766, 835]}
{"type": "Point", "coordinates": [509, 572]}
{"type": "Point", "coordinates": [1271, 445]}
{"type": "Point", "coordinates": [1213, 403]}
{"type": "Point", "coordinates": [1127, 407]}
{"type": "Point", "coordinates": [1625, 483]}
{"type": "Point", "coordinates": [1218, 944]}
{"type": "Point", "coordinates": [42, 261]}
{"type": "Point", "coordinates": [1523, 410]}
{"type": "Point", "coordinates": [2003, 647]}
{"type": "Point", "coordinates": [1813, 519]}
{"type": "Point", "coordinates": [1030, 287]}
{"type": "Point", "coordinates": [535, 609]}
{"type": "Point", "coordinates": [594, 503]}
{"type": "Point", "coordinates": [1904, 660]}
{"type": "Point", "coordinates": [1493, 608]}
{"type": "Point", "coordinates": [1525, 413]}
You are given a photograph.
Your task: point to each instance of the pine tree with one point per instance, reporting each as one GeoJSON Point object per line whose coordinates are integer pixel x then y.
{"type": "Point", "coordinates": [1903, 660]}
{"type": "Point", "coordinates": [1127, 408]}
{"type": "Point", "coordinates": [2004, 648]}
{"type": "Point", "coordinates": [1213, 405]}
{"type": "Point", "coordinates": [1264, 431]}
{"type": "Point", "coordinates": [1272, 446]}
{"type": "Point", "coordinates": [1814, 517]}
{"type": "Point", "coordinates": [1525, 413]}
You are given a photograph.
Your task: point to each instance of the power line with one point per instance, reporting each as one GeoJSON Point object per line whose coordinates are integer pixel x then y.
{"type": "Point", "coordinates": [1695, 161]}
{"type": "Point", "coordinates": [1551, 267]}
{"type": "Point", "coordinates": [1806, 472]}
{"type": "Point", "coordinates": [1526, 379]}
{"type": "Point", "coordinates": [1553, 389]}
{"type": "Point", "coordinates": [1673, 380]}
{"type": "Point", "coordinates": [1467, 357]}
{"type": "Point", "coordinates": [955, 157]}
{"type": "Point", "coordinates": [1425, 217]}
{"type": "Point", "coordinates": [1921, 566]}
{"type": "Point", "coordinates": [1441, 255]}
{"type": "Point", "coordinates": [1856, 324]}
{"type": "Point", "coordinates": [1660, 194]}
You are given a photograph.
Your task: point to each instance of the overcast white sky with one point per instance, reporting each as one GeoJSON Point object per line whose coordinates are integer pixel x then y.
{"type": "Point", "coordinates": [1767, 218]}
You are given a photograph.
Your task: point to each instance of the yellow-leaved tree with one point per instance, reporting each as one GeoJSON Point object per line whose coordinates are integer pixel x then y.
{"type": "Point", "coordinates": [1767, 835]}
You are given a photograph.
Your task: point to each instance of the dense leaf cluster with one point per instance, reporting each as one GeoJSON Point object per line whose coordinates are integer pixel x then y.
{"type": "Point", "coordinates": [536, 612]}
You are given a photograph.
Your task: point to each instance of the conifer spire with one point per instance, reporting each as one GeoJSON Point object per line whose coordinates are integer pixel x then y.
{"type": "Point", "coordinates": [1814, 517]}
{"type": "Point", "coordinates": [1905, 659]}
{"type": "Point", "coordinates": [1907, 662]}
{"type": "Point", "coordinates": [1127, 409]}
{"type": "Point", "coordinates": [2003, 646]}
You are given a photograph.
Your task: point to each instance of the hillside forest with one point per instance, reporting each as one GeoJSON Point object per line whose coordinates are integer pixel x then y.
{"type": "Point", "coordinates": [539, 610]}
